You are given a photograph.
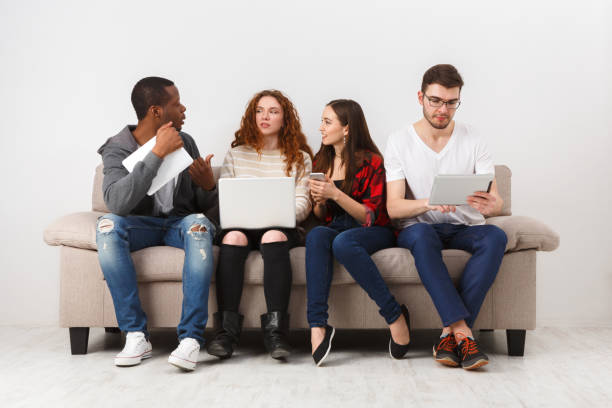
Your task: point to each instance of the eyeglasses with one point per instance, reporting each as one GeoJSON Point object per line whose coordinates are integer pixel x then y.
{"type": "Point", "coordinates": [437, 102]}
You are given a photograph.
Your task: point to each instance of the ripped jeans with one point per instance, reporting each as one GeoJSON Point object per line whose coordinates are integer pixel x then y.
{"type": "Point", "coordinates": [118, 236]}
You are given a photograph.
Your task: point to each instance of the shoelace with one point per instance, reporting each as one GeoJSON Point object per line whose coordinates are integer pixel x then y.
{"type": "Point", "coordinates": [468, 347]}
{"type": "Point", "coordinates": [134, 340]}
{"type": "Point", "coordinates": [448, 343]}
{"type": "Point", "coordinates": [187, 344]}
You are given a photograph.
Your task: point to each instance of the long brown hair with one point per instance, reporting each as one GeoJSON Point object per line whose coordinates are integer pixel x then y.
{"type": "Point", "coordinates": [290, 139]}
{"type": "Point", "coordinates": [358, 143]}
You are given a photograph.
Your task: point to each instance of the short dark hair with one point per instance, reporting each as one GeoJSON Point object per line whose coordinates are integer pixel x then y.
{"type": "Point", "coordinates": [148, 92]}
{"type": "Point", "coordinates": [442, 74]}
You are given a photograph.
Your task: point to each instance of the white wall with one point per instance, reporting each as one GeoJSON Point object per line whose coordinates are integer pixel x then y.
{"type": "Point", "coordinates": [537, 80]}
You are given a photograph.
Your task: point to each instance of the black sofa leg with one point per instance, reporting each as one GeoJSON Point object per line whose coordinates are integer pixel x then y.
{"type": "Point", "coordinates": [79, 337]}
{"type": "Point", "coordinates": [112, 330]}
{"type": "Point", "coordinates": [516, 342]}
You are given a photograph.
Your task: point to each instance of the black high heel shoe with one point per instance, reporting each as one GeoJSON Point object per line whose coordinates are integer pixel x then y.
{"type": "Point", "coordinates": [398, 351]}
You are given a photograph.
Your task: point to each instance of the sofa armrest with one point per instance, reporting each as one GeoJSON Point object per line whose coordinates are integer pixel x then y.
{"type": "Point", "coordinates": [76, 230]}
{"type": "Point", "coordinates": [526, 233]}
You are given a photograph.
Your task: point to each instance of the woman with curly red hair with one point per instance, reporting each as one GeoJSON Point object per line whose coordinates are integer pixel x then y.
{"type": "Point", "coordinates": [269, 143]}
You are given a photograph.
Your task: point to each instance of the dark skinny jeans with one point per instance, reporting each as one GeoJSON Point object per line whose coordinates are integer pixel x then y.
{"type": "Point", "coordinates": [352, 245]}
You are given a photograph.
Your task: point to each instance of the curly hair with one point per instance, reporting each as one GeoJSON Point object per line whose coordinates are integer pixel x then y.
{"type": "Point", "coordinates": [290, 139]}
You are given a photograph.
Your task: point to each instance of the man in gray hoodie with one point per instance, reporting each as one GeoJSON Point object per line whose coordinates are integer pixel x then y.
{"type": "Point", "coordinates": [184, 214]}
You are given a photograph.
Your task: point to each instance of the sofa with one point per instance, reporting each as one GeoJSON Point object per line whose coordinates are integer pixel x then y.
{"type": "Point", "coordinates": [85, 300]}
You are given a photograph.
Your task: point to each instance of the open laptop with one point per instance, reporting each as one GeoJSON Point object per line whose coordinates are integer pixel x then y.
{"type": "Point", "coordinates": [252, 203]}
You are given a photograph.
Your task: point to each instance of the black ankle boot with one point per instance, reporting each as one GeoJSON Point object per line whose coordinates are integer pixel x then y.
{"type": "Point", "coordinates": [228, 326]}
{"type": "Point", "coordinates": [275, 326]}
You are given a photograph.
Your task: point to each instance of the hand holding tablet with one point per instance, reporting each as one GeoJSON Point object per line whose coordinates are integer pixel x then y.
{"type": "Point", "coordinates": [442, 208]}
{"type": "Point", "coordinates": [484, 203]}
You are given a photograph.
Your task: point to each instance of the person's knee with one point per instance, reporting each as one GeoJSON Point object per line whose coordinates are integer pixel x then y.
{"type": "Point", "coordinates": [108, 230]}
{"type": "Point", "coordinates": [495, 238]}
{"type": "Point", "coordinates": [109, 233]}
{"type": "Point", "coordinates": [343, 246]}
{"type": "Point", "coordinates": [197, 226]}
{"type": "Point", "coordinates": [199, 231]}
{"type": "Point", "coordinates": [422, 230]}
{"type": "Point", "coordinates": [273, 236]}
{"type": "Point", "coordinates": [236, 238]}
{"type": "Point", "coordinates": [109, 223]}
{"type": "Point", "coordinates": [316, 236]}
{"type": "Point", "coordinates": [419, 235]}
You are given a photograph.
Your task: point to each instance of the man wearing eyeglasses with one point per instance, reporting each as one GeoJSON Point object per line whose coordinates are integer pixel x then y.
{"type": "Point", "coordinates": [436, 144]}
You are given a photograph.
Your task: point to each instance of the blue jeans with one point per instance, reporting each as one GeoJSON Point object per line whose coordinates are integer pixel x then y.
{"type": "Point", "coordinates": [352, 246]}
{"type": "Point", "coordinates": [486, 243]}
{"type": "Point", "coordinates": [118, 236]}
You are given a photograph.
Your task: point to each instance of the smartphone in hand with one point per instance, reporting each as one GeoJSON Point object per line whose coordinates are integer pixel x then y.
{"type": "Point", "coordinates": [317, 176]}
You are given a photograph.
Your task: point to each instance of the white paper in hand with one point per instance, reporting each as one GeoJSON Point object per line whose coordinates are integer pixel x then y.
{"type": "Point", "coordinates": [172, 165]}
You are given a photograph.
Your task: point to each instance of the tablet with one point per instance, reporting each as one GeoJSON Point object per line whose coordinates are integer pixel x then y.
{"type": "Point", "coordinates": [454, 189]}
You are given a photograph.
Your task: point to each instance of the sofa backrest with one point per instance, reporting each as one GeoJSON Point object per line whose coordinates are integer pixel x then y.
{"type": "Point", "coordinates": [503, 176]}
{"type": "Point", "coordinates": [97, 198]}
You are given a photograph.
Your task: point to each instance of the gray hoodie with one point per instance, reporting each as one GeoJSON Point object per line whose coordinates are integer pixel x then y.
{"type": "Point", "coordinates": [125, 193]}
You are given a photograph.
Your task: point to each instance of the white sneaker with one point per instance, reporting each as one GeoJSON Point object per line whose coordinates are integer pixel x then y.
{"type": "Point", "coordinates": [186, 354]}
{"type": "Point", "coordinates": [136, 348]}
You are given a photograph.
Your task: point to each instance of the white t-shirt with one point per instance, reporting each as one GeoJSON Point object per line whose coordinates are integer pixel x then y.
{"type": "Point", "coordinates": [408, 157]}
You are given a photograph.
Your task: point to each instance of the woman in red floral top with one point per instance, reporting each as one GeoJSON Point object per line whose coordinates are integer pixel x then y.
{"type": "Point", "coordinates": [350, 198]}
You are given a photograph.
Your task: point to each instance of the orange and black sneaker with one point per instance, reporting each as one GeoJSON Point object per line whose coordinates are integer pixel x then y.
{"type": "Point", "coordinates": [470, 355]}
{"type": "Point", "coordinates": [445, 351]}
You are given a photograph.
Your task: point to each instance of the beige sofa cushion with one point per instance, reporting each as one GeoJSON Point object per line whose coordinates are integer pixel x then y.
{"type": "Point", "coordinates": [157, 264]}
{"type": "Point", "coordinates": [526, 233]}
{"type": "Point", "coordinates": [165, 264]}
{"type": "Point", "coordinates": [396, 265]}
{"type": "Point", "coordinates": [79, 230]}
{"type": "Point", "coordinates": [161, 264]}
{"type": "Point", "coordinates": [76, 230]}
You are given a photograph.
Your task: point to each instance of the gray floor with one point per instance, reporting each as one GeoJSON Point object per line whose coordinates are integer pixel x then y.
{"type": "Point", "coordinates": [561, 367]}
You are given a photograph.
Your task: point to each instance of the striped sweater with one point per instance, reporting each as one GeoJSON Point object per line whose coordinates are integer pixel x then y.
{"type": "Point", "coordinates": [244, 161]}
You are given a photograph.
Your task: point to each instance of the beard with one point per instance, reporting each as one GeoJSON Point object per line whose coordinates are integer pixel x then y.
{"type": "Point", "coordinates": [437, 125]}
